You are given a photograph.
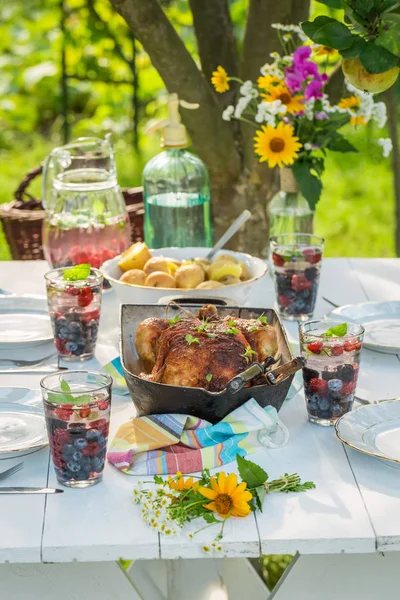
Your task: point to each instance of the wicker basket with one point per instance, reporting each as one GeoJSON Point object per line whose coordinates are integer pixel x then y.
{"type": "Point", "coordinates": [22, 219]}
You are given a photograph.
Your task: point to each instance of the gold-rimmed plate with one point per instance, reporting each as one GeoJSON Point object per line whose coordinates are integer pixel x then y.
{"type": "Point", "coordinates": [373, 430]}
{"type": "Point", "coordinates": [22, 422]}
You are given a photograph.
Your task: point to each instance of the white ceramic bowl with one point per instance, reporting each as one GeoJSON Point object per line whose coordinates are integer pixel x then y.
{"type": "Point", "coordinates": [138, 294]}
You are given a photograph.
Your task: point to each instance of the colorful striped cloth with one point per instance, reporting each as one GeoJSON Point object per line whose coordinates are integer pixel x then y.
{"type": "Point", "coordinates": [114, 368]}
{"type": "Point", "coordinates": [162, 444]}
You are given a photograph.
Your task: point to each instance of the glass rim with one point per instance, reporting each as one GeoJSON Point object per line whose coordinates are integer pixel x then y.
{"type": "Point", "coordinates": [331, 322]}
{"type": "Point", "coordinates": [97, 272]}
{"type": "Point", "coordinates": [108, 382]}
{"type": "Point", "coordinates": [278, 239]}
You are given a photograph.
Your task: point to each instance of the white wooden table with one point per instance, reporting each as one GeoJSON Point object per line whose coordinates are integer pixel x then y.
{"type": "Point", "coordinates": [338, 529]}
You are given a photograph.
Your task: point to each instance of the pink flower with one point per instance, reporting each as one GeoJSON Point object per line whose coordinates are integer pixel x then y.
{"type": "Point", "coordinates": [301, 54]}
{"type": "Point", "coordinates": [314, 87]}
{"type": "Point", "coordinates": [321, 115]}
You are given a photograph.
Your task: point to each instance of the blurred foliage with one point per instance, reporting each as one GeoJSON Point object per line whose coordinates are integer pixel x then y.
{"type": "Point", "coordinates": [356, 213]}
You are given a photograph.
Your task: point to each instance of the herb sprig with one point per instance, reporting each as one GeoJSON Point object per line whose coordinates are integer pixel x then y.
{"type": "Point", "coordinates": [77, 273]}
{"type": "Point", "coordinates": [191, 340]}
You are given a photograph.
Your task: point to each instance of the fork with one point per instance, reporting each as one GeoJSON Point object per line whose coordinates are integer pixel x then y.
{"type": "Point", "coordinates": [25, 363]}
{"type": "Point", "coordinates": [11, 471]}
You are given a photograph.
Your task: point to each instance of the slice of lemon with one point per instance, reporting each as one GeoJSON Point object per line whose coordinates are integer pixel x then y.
{"type": "Point", "coordinates": [135, 257]}
{"type": "Point", "coordinates": [220, 270]}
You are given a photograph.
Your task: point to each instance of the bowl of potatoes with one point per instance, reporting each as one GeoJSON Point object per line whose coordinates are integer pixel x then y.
{"type": "Point", "coordinates": [143, 276]}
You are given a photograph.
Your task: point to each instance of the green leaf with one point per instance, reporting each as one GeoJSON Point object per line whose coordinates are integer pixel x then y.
{"type": "Point", "coordinates": [338, 143]}
{"type": "Point", "coordinates": [332, 3]}
{"type": "Point", "coordinates": [339, 330]}
{"type": "Point", "coordinates": [251, 473]}
{"type": "Point", "coordinates": [362, 7]}
{"type": "Point", "coordinates": [263, 319]}
{"type": "Point", "coordinates": [310, 185]}
{"type": "Point", "coordinates": [209, 377]}
{"type": "Point", "coordinates": [158, 479]}
{"type": "Point", "coordinates": [209, 517]}
{"type": "Point", "coordinates": [355, 49]}
{"type": "Point", "coordinates": [376, 59]}
{"type": "Point", "coordinates": [64, 385]}
{"type": "Point", "coordinates": [328, 32]}
{"type": "Point", "coordinates": [191, 340]}
{"type": "Point", "coordinates": [259, 494]}
{"type": "Point", "coordinates": [389, 36]}
{"type": "Point", "coordinates": [77, 273]}
{"type": "Point", "coordinates": [211, 335]}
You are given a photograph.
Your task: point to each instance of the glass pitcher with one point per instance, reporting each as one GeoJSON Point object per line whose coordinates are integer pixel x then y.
{"type": "Point", "coordinates": [86, 218]}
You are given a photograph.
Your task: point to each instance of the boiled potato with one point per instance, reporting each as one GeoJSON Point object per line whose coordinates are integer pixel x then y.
{"type": "Point", "coordinates": [189, 276]}
{"type": "Point", "coordinates": [133, 277]}
{"type": "Point", "coordinates": [245, 275]}
{"type": "Point", "coordinates": [209, 285]}
{"type": "Point", "coordinates": [134, 257]}
{"type": "Point", "coordinates": [156, 263]}
{"type": "Point", "coordinates": [160, 279]}
{"type": "Point", "coordinates": [230, 280]}
{"type": "Point", "coordinates": [220, 270]}
{"type": "Point", "coordinates": [204, 262]}
{"type": "Point", "coordinates": [225, 258]}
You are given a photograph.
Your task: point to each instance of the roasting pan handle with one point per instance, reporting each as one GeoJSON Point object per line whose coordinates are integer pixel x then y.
{"type": "Point", "coordinates": [272, 377]}
{"type": "Point", "coordinates": [198, 300]}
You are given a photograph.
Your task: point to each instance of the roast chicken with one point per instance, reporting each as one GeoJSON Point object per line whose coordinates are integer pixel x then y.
{"type": "Point", "coordinates": [204, 351]}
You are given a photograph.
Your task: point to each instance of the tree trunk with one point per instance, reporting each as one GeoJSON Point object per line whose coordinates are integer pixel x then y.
{"type": "Point", "coordinates": [238, 179]}
{"type": "Point", "coordinates": [394, 134]}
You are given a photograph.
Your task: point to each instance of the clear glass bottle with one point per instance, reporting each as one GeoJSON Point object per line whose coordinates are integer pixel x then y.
{"type": "Point", "coordinates": [289, 211]}
{"type": "Point", "coordinates": [176, 191]}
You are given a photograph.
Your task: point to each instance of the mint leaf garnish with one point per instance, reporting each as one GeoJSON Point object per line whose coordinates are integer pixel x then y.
{"type": "Point", "coordinates": [174, 320]}
{"type": "Point", "coordinates": [64, 385]}
{"type": "Point", "coordinates": [339, 330]}
{"type": "Point", "coordinates": [77, 273]}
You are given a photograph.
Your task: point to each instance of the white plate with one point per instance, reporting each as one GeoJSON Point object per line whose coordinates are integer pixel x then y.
{"type": "Point", "coordinates": [373, 430]}
{"type": "Point", "coordinates": [22, 422]}
{"type": "Point", "coordinates": [381, 321]}
{"type": "Point", "coordinates": [24, 321]}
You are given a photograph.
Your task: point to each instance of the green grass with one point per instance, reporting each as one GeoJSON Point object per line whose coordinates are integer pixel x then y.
{"type": "Point", "coordinates": [355, 214]}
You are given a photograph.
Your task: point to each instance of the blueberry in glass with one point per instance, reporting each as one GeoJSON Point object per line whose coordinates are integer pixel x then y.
{"type": "Point", "coordinates": [332, 353]}
{"type": "Point", "coordinates": [74, 299]}
{"type": "Point", "coordinates": [296, 263]}
{"type": "Point", "coordinates": [77, 410]}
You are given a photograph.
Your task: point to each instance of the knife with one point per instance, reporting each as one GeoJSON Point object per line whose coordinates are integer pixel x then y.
{"type": "Point", "coordinates": [29, 490]}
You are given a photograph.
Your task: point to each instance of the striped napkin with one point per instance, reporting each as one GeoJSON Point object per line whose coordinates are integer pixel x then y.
{"type": "Point", "coordinates": [162, 444]}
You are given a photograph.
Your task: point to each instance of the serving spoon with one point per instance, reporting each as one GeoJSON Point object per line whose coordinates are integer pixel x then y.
{"type": "Point", "coordinates": [230, 232]}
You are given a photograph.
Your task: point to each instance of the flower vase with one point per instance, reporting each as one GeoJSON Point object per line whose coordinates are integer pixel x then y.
{"type": "Point", "coordinates": [289, 211]}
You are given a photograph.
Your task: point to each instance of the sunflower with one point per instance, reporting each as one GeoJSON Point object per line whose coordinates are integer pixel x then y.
{"type": "Point", "coordinates": [266, 81]}
{"type": "Point", "coordinates": [294, 104]}
{"type": "Point", "coordinates": [228, 499]}
{"type": "Point", "coordinates": [180, 484]}
{"type": "Point", "coordinates": [351, 102]}
{"type": "Point", "coordinates": [220, 80]}
{"type": "Point", "coordinates": [277, 145]}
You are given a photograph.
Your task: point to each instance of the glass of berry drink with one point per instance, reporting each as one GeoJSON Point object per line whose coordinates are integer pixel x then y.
{"type": "Point", "coordinates": [77, 409]}
{"type": "Point", "coordinates": [296, 263]}
{"type": "Point", "coordinates": [332, 354]}
{"type": "Point", "coordinates": [74, 307]}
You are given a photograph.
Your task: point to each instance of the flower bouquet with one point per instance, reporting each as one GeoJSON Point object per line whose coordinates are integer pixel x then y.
{"type": "Point", "coordinates": [295, 121]}
{"type": "Point", "coordinates": [169, 505]}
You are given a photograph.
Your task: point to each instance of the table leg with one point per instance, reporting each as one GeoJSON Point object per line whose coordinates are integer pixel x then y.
{"type": "Point", "coordinates": [198, 579]}
{"type": "Point", "coordinates": [344, 576]}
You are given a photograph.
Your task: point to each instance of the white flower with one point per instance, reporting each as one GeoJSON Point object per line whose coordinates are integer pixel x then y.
{"type": "Point", "coordinates": [379, 114]}
{"type": "Point", "coordinates": [267, 111]}
{"type": "Point", "coordinates": [206, 549]}
{"type": "Point", "coordinates": [242, 105]}
{"type": "Point", "coordinates": [309, 108]}
{"type": "Point", "coordinates": [287, 37]}
{"type": "Point", "coordinates": [387, 146]}
{"type": "Point", "coordinates": [307, 146]}
{"type": "Point", "coordinates": [247, 89]}
{"type": "Point", "coordinates": [190, 535]}
{"type": "Point", "coordinates": [216, 546]}
{"type": "Point", "coordinates": [228, 113]}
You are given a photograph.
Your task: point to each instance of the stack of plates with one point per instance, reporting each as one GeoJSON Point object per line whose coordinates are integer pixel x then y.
{"type": "Point", "coordinates": [24, 322]}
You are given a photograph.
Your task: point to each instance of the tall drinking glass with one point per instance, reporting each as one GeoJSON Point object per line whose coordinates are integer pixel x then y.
{"type": "Point", "coordinates": [77, 410]}
{"type": "Point", "coordinates": [332, 352]}
{"type": "Point", "coordinates": [296, 264]}
{"type": "Point", "coordinates": [74, 308]}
